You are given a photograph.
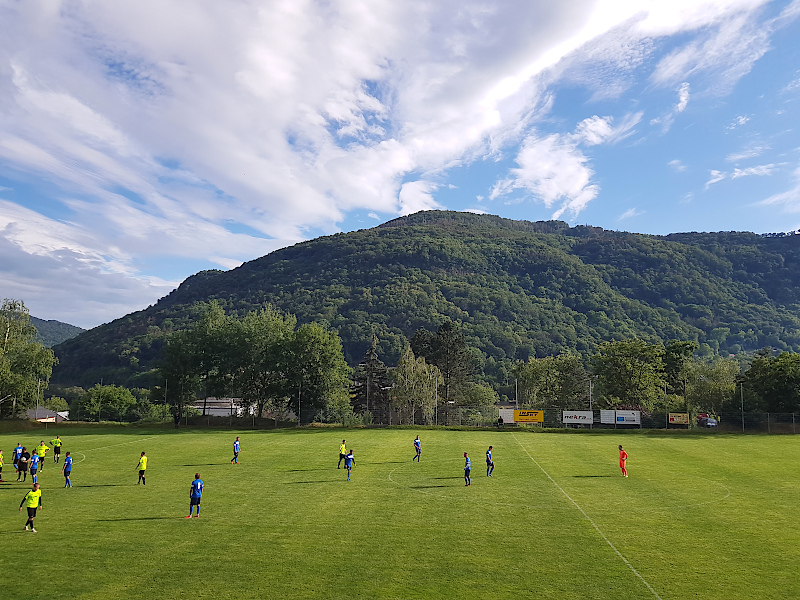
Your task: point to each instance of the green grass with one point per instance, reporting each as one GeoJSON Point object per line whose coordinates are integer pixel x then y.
{"type": "Point", "coordinates": [700, 516]}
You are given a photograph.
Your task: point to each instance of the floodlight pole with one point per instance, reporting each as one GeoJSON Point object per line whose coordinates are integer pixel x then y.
{"type": "Point", "coordinates": [741, 390]}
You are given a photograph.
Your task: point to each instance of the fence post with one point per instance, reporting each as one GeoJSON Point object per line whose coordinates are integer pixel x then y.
{"type": "Point", "coordinates": [768, 428]}
{"type": "Point", "coordinates": [793, 427]}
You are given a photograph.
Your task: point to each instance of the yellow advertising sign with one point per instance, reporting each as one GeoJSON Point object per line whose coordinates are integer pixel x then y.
{"type": "Point", "coordinates": [679, 418]}
{"type": "Point", "coordinates": [529, 416]}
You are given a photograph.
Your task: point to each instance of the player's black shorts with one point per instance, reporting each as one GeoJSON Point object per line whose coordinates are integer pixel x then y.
{"type": "Point", "coordinates": [34, 471]}
{"type": "Point", "coordinates": [141, 473]}
{"type": "Point", "coordinates": [194, 501]}
{"type": "Point", "coordinates": [16, 460]}
{"type": "Point", "coordinates": [23, 468]}
{"type": "Point", "coordinates": [466, 472]}
{"type": "Point", "coordinates": [31, 512]}
{"type": "Point", "coordinates": [66, 474]}
{"type": "Point", "coordinates": [57, 449]}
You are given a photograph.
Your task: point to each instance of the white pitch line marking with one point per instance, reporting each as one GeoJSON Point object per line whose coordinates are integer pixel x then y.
{"type": "Point", "coordinates": [111, 446]}
{"type": "Point", "coordinates": [588, 518]}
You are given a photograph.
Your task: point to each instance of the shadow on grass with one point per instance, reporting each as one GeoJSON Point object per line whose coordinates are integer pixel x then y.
{"type": "Point", "coordinates": [139, 519]}
{"type": "Point", "coordinates": [455, 477]}
{"type": "Point", "coordinates": [317, 481]}
{"type": "Point", "coordinates": [103, 485]}
{"type": "Point", "coordinates": [302, 470]}
{"type": "Point", "coordinates": [587, 476]}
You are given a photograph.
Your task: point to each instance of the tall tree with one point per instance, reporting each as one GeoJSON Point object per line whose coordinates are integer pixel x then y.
{"type": "Point", "coordinates": [555, 382]}
{"type": "Point", "coordinates": [371, 384]}
{"type": "Point", "coordinates": [416, 388]}
{"type": "Point", "coordinates": [316, 369]}
{"type": "Point", "coordinates": [25, 364]}
{"type": "Point", "coordinates": [109, 402]}
{"type": "Point", "coordinates": [180, 373]}
{"type": "Point", "coordinates": [774, 381]}
{"type": "Point", "coordinates": [678, 355]}
{"type": "Point", "coordinates": [630, 373]}
{"type": "Point", "coordinates": [448, 350]}
{"type": "Point", "coordinates": [259, 358]}
{"type": "Point", "coordinates": [711, 384]}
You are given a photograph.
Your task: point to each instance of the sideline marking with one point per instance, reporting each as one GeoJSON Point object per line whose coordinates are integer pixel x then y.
{"type": "Point", "coordinates": [588, 518]}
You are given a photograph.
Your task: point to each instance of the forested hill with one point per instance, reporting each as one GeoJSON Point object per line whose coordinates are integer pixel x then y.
{"type": "Point", "coordinates": [519, 288]}
{"type": "Point", "coordinates": [53, 332]}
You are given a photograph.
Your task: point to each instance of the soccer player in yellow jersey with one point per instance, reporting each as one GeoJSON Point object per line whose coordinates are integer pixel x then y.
{"type": "Point", "coordinates": [342, 454]}
{"type": "Point", "coordinates": [41, 450]}
{"type": "Point", "coordinates": [32, 500]}
{"type": "Point", "coordinates": [56, 443]}
{"type": "Point", "coordinates": [1, 465]}
{"type": "Point", "coordinates": [142, 466]}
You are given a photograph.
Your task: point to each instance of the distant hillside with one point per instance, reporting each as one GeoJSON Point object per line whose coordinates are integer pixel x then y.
{"type": "Point", "coordinates": [52, 333]}
{"type": "Point", "coordinates": [520, 289]}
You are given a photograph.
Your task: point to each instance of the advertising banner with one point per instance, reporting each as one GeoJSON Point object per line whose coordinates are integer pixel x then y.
{"type": "Point", "coordinates": [507, 414]}
{"type": "Point", "coordinates": [578, 416]}
{"type": "Point", "coordinates": [679, 418]}
{"type": "Point", "coordinates": [608, 416]}
{"type": "Point", "coordinates": [529, 416]}
{"type": "Point", "coordinates": [629, 417]}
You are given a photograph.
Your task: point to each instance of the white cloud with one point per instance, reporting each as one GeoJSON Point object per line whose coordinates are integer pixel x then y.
{"type": "Point", "coordinates": [723, 52]}
{"type": "Point", "coordinates": [630, 213]}
{"type": "Point", "coordinates": [668, 119]}
{"type": "Point", "coordinates": [790, 199]}
{"type": "Point", "coordinates": [599, 130]}
{"type": "Point", "coordinates": [683, 97]}
{"type": "Point", "coordinates": [218, 132]}
{"type": "Point", "coordinates": [418, 195]}
{"type": "Point", "coordinates": [750, 151]}
{"type": "Point", "coordinates": [373, 215]}
{"type": "Point", "coordinates": [716, 177]}
{"type": "Point", "coordinates": [737, 122]}
{"type": "Point", "coordinates": [553, 169]}
{"type": "Point", "coordinates": [476, 211]}
{"type": "Point", "coordinates": [759, 170]}
{"type": "Point", "coordinates": [677, 165]}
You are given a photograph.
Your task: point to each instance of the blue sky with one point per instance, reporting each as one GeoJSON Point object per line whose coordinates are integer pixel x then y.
{"type": "Point", "coordinates": [141, 142]}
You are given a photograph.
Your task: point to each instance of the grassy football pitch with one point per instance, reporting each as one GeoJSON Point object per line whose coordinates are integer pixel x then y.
{"type": "Point", "coordinates": [701, 516]}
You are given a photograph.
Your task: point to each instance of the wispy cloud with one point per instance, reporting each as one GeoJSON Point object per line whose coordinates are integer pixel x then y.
{"type": "Point", "coordinates": [750, 151]}
{"type": "Point", "coordinates": [758, 171]}
{"type": "Point", "coordinates": [677, 165]}
{"type": "Point", "coordinates": [630, 213]}
{"type": "Point", "coordinates": [790, 199]}
{"type": "Point", "coordinates": [373, 215]}
{"type": "Point", "coordinates": [737, 122]}
{"type": "Point", "coordinates": [668, 119]}
{"type": "Point", "coordinates": [716, 177]}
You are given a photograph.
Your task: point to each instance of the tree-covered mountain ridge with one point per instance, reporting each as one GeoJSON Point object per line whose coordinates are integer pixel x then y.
{"type": "Point", "coordinates": [519, 289]}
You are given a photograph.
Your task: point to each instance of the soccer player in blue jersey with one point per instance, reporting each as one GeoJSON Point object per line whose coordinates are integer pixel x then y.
{"type": "Point", "coordinates": [467, 469]}
{"type": "Point", "coordinates": [349, 462]}
{"type": "Point", "coordinates": [66, 469]}
{"type": "Point", "coordinates": [35, 462]}
{"type": "Point", "coordinates": [16, 455]}
{"type": "Point", "coordinates": [489, 462]}
{"type": "Point", "coordinates": [417, 449]}
{"type": "Point", "coordinates": [195, 495]}
{"type": "Point", "coordinates": [235, 459]}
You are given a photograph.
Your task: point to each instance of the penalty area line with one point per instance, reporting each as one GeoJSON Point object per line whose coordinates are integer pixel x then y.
{"type": "Point", "coordinates": [588, 518]}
